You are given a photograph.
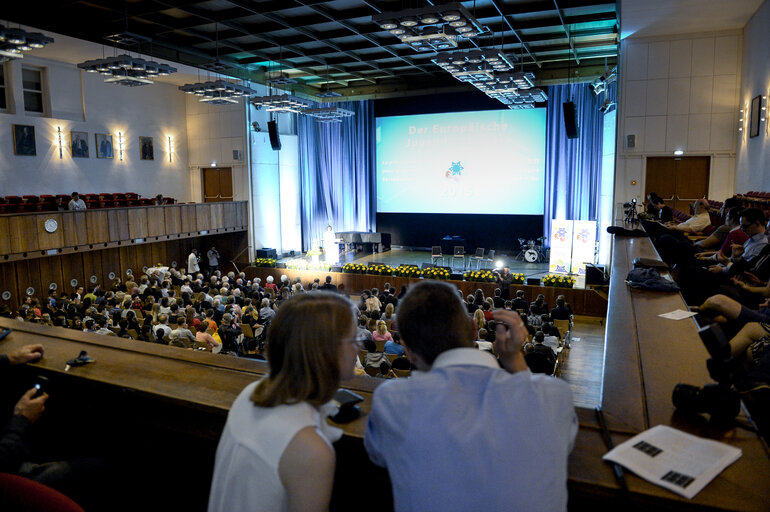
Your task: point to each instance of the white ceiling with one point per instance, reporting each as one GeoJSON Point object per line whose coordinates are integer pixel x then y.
{"type": "Point", "coordinates": [645, 18]}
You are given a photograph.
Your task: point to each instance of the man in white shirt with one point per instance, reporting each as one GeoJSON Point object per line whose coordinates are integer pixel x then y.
{"type": "Point", "coordinates": [76, 203]}
{"type": "Point", "coordinates": [698, 222]}
{"type": "Point", "coordinates": [162, 329]}
{"type": "Point", "coordinates": [192, 262]}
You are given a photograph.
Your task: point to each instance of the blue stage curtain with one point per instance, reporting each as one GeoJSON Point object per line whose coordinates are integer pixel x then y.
{"type": "Point", "coordinates": [337, 173]}
{"type": "Point", "coordinates": [572, 166]}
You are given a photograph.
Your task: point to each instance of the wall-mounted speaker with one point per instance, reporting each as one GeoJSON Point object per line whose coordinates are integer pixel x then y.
{"type": "Point", "coordinates": [630, 141]}
{"type": "Point", "coordinates": [272, 129]}
{"type": "Point", "coordinates": [237, 155]}
{"type": "Point", "coordinates": [570, 120]}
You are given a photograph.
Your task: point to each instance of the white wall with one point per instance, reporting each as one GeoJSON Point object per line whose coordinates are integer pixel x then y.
{"type": "Point", "coordinates": [83, 102]}
{"type": "Point", "coordinates": [678, 92]}
{"type": "Point", "coordinates": [214, 132]}
{"type": "Point", "coordinates": [753, 162]}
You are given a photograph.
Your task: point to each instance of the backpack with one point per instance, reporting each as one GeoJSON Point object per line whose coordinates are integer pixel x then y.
{"type": "Point", "coordinates": [376, 360]}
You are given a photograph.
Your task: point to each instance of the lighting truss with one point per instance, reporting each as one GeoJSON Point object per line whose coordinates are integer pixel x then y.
{"type": "Point", "coordinates": [126, 70]}
{"type": "Point", "coordinates": [217, 92]}
{"type": "Point", "coordinates": [280, 103]}
{"type": "Point", "coordinates": [432, 28]}
{"type": "Point", "coordinates": [328, 114]}
{"type": "Point", "coordinates": [281, 79]}
{"type": "Point", "coordinates": [15, 41]}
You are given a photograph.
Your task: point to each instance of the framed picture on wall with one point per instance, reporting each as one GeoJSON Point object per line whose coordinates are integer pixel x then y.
{"type": "Point", "coordinates": [24, 140]}
{"type": "Point", "coordinates": [146, 148]}
{"type": "Point", "coordinates": [103, 145]}
{"type": "Point", "coordinates": [756, 106]}
{"type": "Point", "coordinates": [79, 141]}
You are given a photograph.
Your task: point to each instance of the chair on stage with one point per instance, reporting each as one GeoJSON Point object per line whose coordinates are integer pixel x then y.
{"type": "Point", "coordinates": [490, 259]}
{"type": "Point", "coordinates": [478, 258]}
{"type": "Point", "coordinates": [459, 252]}
{"type": "Point", "coordinates": [436, 253]}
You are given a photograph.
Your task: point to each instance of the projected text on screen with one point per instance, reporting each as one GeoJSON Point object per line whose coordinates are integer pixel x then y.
{"type": "Point", "coordinates": [489, 162]}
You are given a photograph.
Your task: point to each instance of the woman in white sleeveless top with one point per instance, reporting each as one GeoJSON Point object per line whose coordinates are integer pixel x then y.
{"type": "Point", "coordinates": [275, 453]}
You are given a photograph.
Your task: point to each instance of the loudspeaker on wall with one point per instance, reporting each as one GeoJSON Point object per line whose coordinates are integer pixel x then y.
{"type": "Point", "coordinates": [272, 129]}
{"type": "Point", "coordinates": [570, 120]}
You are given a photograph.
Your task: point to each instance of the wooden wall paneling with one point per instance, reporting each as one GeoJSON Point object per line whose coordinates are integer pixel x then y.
{"type": "Point", "coordinates": [110, 263]}
{"type": "Point", "coordinates": [137, 223]}
{"type": "Point", "coordinates": [242, 213]}
{"type": "Point", "coordinates": [189, 224]}
{"type": "Point", "coordinates": [156, 221]}
{"type": "Point", "coordinates": [72, 268]}
{"type": "Point", "coordinates": [229, 214]}
{"type": "Point", "coordinates": [217, 215]}
{"type": "Point", "coordinates": [75, 229]}
{"type": "Point", "coordinates": [173, 219]}
{"type": "Point", "coordinates": [203, 217]}
{"type": "Point", "coordinates": [45, 239]}
{"type": "Point", "coordinates": [23, 233]}
{"type": "Point", "coordinates": [128, 261]}
{"type": "Point", "coordinates": [121, 231]}
{"type": "Point", "coordinates": [98, 227]}
{"type": "Point", "coordinates": [28, 275]}
{"type": "Point", "coordinates": [158, 253]}
{"type": "Point", "coordinates": [50, 272]}
{"type": "Point", "coordinates": [8, 283]}
{"type": "Point", "coordinates": [5, 235]}
{"type": "Point", "coordinates": [92, 266]}
{"type": "Point", "coordinates": [144, 256]}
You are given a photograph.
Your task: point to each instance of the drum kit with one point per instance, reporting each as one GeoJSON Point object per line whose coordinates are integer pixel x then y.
{"type": "Point", "coordinates": [532, 251]}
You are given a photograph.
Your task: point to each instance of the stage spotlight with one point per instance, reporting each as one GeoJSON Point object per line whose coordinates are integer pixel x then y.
{"type": "Point", "coordinates": [499, 264]}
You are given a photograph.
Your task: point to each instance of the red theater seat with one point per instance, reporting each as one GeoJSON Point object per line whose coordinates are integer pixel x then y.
{"type": "Point", "coordinates": [13, 199]}
{"type": "Point", "coordinates": [24, 495]}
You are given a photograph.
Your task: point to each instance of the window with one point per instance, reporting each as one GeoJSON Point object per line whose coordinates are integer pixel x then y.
{"type": "Point", "coordinates": [3, 104]}
{"type": "Point", "coordinates": [32, 85]}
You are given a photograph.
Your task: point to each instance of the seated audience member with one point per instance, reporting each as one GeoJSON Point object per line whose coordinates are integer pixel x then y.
{"type": "Point", "coordinates": [394, 346]}
{"type": "Point", "coordinates": [662, 212]}
{"type": "Point", "coordinates": [382, 334]}
{"type": "Point", "coordinates": [534, 318]}
{"type": "Point", "coordinates": [498, 299]}
{"type": "Point", "coordinates": [478, 320]}
{"type": "Point", "coordinates": [525, 320]}
{"type": "Point", "coordinates": [328, 286]}
{"type": "Point", "coordinates": [181, 336]}
{"type": "Point", "coordinates": [562, 311]}
{"type": "Point", "coordinates": [76, 203]}
{"type": "Point", "coordinates": [750, 344]}
{"type": "Point", "coordinates": [695, 224]}
{"type": "Point", "coordinates": [364, 334]}
{"type": "Point", "coordinates": [481, 340]}
{"type": "Point", "coordinates": [203, 339]}
{"type": "Point", "coordinates": [551, 339]}
{"type": "Point", "coordinates": [541, 359]}
{"type": "Point", "coordinates": [748, 261]}
{"type": "Point", "coordinates": [101, 322]}
{"type": "Point", "coordinates": [731, 309]}
{"type": "Point", "coordinates": [540, 306]}
{"type": "Point", "coordinates": [371, 302]}
{"type": "Point", "coordinates": [390, 314]}
{"type": "Point", "coordinates": [684, 252]}
{"type": "Point", "coordinates": [735, 235]}
{"type": "Point", "coordinates": [519, 303]}
{"type": "Point", "coordinates": [229, 332]}
{"type": "Point", "coordinates": [276, 450]}
{"type": "Point", "coordinates": [469, 305]}
{"type": "Point", "coordinates": [486, 310]}
{"type": "Point", "coordinates": [162, 330]}
{"type": "Point", "coordinates": [500, 411]}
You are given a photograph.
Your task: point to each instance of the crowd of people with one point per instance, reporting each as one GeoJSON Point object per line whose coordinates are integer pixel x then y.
{"type": "Point", "coordinates": [725, 276]}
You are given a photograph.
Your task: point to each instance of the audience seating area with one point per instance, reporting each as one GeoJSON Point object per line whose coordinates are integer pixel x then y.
{"type": "Point", "coordinates": [52, 203]}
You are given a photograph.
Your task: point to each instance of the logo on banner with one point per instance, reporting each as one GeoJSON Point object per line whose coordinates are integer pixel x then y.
{"type": "Point", "coordinates": [583, 235]}
{"type": "Point", "coordinates": [560, 234]}
{"type": "Point", "coordinates": [455, 171]}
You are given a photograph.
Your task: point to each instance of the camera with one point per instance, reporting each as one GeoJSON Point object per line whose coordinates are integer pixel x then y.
{"type": "Point", "coordinates": [630, 211]}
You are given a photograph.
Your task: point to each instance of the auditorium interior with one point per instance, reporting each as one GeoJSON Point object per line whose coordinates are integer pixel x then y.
{"type": "Point", "coordinates": [253, 125]}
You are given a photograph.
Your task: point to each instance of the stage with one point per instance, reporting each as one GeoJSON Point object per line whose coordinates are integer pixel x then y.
{"type": "Point", "coordinates": [398, 256]}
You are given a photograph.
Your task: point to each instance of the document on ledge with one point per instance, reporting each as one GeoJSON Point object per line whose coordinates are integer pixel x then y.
{"type": "Point", "coordinates": [678, 314]}
{"type": "Point", "coordinates": [673, 459]}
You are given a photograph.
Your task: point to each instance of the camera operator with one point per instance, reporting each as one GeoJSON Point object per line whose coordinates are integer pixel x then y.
{"type": "Point", "coordinates": [504, 280]}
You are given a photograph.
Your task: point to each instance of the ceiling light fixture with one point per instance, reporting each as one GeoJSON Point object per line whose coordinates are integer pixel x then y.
{"type": "Point", "coordinates": [329, 114]}
{"type": "Point", "coordinates": [126, 70]}
{"type": "Point", "coordinates": [432, 28]}
{"type": "Point", "coordinates": [282, 103]}
{"type": "Point", "coordinates": [217, 92]}
{"type": "Point", "coordinates": [14, 41]}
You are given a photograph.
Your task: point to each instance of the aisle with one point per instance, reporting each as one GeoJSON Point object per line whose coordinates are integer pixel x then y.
{"type": "Point", "coordinates": [584, 367]}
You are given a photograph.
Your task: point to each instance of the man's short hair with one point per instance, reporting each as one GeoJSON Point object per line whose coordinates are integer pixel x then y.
{"type": "Point", "coordinates": [162, 318]}
{"type": "Point", "coordinates": [752, 215]}
{"type": "Point", "coordinates": [432, 320]}
{"type": "Point", "coordinates": [520, 293]}
{"type": "Point", "coordinates": [328, 279]}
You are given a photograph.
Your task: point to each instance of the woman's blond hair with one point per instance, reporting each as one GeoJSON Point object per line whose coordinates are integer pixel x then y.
{"type": "Point", "coordinates": [302, 350]}
{"type": "Point", "coordinates": [478, 315]}
{"type": "Point", "coordinates": [382, 327]}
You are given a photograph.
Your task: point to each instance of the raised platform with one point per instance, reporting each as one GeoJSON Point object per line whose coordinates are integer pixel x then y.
{"type": "Point", "coordinates": [583, 302]}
